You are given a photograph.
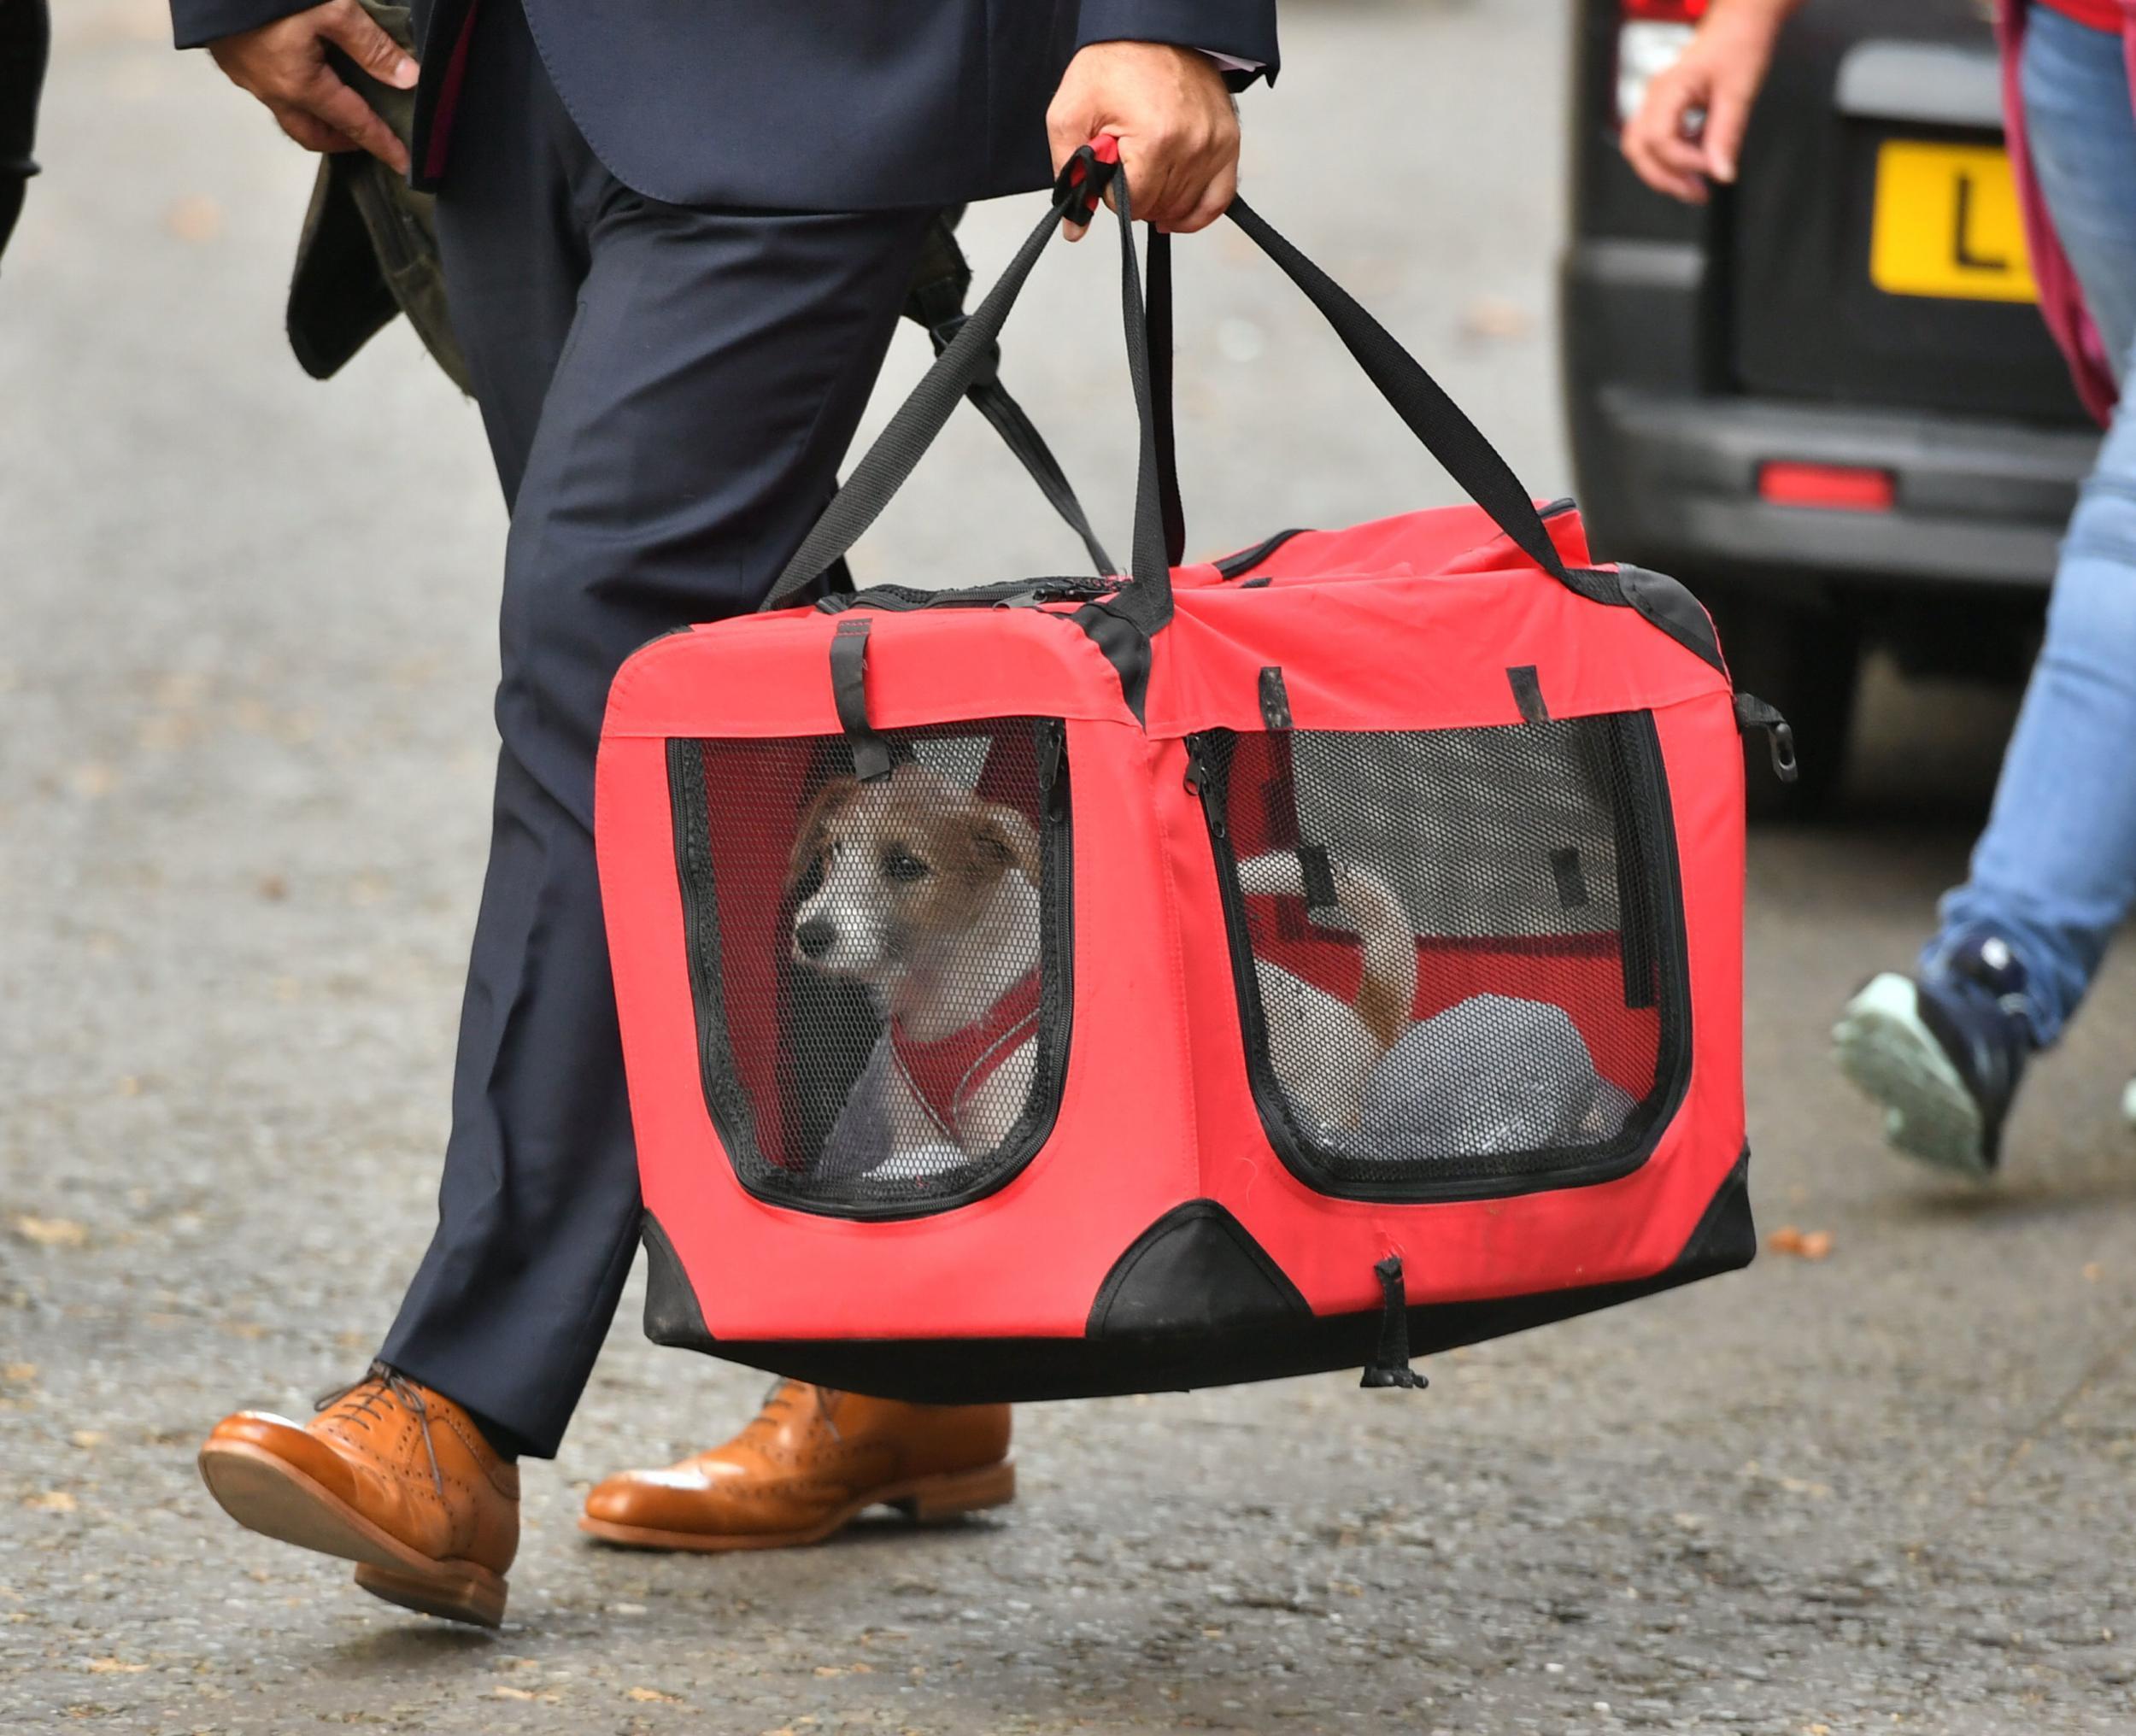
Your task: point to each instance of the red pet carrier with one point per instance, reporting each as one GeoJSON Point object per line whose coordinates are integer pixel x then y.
{"type": "Point", "coordinates": [1273, 964]}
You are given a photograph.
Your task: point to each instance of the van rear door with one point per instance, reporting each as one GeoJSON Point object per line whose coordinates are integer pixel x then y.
{"type": "Point", "coordinates": [1875, 251]}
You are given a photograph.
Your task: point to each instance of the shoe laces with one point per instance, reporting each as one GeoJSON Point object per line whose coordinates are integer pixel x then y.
{"type": "Point", "coordinates": [782, 1397]}
{"type": "Point", "coordinates": [359, 1402]}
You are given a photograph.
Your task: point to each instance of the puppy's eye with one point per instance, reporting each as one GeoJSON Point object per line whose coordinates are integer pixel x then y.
{"type": "Point", "coordinates": [903, 866]}
{"type": "Point", "coordinates": [811, 882]}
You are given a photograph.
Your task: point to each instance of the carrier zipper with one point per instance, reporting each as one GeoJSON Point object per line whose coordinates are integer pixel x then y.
{"type": "Point", "coordinates": [1053, 760]}
{"type": "Point", "coordinates": [1238, 566]}
{"type": "Point", "coordinates": [1022, 593]}
{"type": "Point", "coordinates": [700, 938]}
{"type": "Point", "coordinates": [1201, 778]}
{"type": "Point", "coordinates": [1059, 962]}
{"type": "Point", "coordinates": [1208, 778]}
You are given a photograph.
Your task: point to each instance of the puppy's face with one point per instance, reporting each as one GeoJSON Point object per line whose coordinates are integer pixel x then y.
{"type": "Point", "coordinates": [886, 874]}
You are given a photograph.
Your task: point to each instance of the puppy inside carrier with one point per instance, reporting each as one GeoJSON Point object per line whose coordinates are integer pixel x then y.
{"type": "Point", "coordinates": [883, 976]}
{"type": "Point", "coordinates": [1204, 973]}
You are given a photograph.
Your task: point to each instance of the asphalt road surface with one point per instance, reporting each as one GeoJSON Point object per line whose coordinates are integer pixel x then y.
{"type": "Point", "coordinates": [245, 651]}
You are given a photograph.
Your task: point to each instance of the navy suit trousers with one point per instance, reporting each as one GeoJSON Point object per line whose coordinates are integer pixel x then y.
{"type": "Point", "coordinates": [668, 392]}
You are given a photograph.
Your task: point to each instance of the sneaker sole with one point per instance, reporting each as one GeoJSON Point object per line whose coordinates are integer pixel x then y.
{"type": "Point", "coordinates": [268, 1495]}
{"type": "Point", "coordinates": [924, 1501]}
{"type": "Point", "coordinates": [1889, 1055]}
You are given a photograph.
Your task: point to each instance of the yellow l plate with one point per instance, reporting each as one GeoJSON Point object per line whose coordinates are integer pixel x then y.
{"type": "Point", "coordinates": [1947, 224]}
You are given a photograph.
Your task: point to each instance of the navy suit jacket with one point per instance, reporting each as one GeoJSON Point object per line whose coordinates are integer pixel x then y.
{"type": "Point", "coordinates": [806, 105]}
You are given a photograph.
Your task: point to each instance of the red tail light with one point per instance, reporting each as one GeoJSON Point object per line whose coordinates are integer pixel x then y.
{"type": "Point", "coordinates": [1834, 488]}
{"type": "Point", "coordinates": [1664, 11]}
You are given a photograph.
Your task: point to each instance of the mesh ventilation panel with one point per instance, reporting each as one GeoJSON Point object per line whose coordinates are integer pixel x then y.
{"type": "Point", "coordinates": [1457, 948]}
{"type": "Point", "coordinates": [879, 968]}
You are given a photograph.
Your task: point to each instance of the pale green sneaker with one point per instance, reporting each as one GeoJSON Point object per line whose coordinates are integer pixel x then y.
{"type": "Point", "coordinates": [1942, 1053]}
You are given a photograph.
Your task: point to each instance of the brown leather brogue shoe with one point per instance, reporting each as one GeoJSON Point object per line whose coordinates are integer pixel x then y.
{"type": "Point", "coordinates": [390, 1475]}
{"type": "Point", "coordinates": [811, 1461]}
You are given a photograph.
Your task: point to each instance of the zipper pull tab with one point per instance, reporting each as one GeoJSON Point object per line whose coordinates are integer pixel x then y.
{"type": "Point", "coordinates": [1197, 777]}
{"type": "Point", "coordinates": [1201, 778]}
{"type": "Point", "coordinates": [1753, 713]}
{"type": "Point", "coordinates": [1053, 781]}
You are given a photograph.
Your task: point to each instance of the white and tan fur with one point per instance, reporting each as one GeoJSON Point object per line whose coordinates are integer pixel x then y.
{"type": "Point", "coordinates": [929, 896]}
{"type": "Point", "coordinates": [1323, 1048]}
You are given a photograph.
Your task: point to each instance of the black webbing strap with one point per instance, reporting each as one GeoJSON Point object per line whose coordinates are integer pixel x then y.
{"type": "Point", "coordinates": [1418, 399]}
{"type": "Point", "coordinates": [1753, 712]}
{"type": "Point", "coordinates": [991, 399]}
{"type": "Point", "coordinates": [1527, 694]}
{"type": "Point", "coordinates": [1274, 700]}
{"type": "Point", "coordinates": [1146, 605]}
{"type": "Point", "coordinates": [1389, 1366]}
{"type": "Point", "coordinates": [934, 302]}
{"type": "Point", "coordinates": [970, 357]}
{"type": "Point", "coordinates": [1158, 322]}
{"type": "Point", "coordinates": [849, 691]}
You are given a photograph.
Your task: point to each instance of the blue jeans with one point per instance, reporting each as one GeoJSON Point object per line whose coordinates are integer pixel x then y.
{"type": "Point", "coordinates": [2055, 871]}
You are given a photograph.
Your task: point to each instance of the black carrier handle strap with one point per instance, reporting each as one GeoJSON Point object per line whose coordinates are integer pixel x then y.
{"type": "Point", "coordinates": [1422, 403]}
{"type": "Point", "coordinates": [934, 303]}
{"type": "Point", "coordinates": [1157, 322]}
{"type": "Point", "coordinates": [970, 357]}
{"type": "Point", "coordinates": [992, 399]}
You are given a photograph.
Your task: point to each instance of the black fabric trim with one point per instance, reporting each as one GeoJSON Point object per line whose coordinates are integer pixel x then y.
{"type": "Point", "coordinates": [1527, 694]}
{"type": "Point", "coordinates": [1670, 606]}
{"type": "Point", "coordinates": [1725, 1238]}
{"type": "Point", "coordinates": [965, 1371]}
{"type": "Point", "coordinates": [1126, 647]}
{"type": "Point", "coordinates": [1598, 585]}
{"type": "Point", "coordinates": [1274, 700]}
{"type": "Point", "coordinates": [1232, 566]}
{"type": "Point", "coordinates": [1195, 1270]}
{"type": "Point", "coordinates": [672, 1314]}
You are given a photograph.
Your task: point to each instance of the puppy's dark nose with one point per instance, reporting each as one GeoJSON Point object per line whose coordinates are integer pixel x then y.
{"type": "Point", "coordinates": [815, 937]}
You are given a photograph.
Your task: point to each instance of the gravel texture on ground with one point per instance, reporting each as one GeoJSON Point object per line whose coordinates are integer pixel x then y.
{"type": "Point", "coordinates": [244, 676]}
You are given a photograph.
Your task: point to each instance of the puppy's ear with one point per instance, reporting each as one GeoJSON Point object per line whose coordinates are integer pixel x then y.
{"type": "Point", "coordinates": [815, 831]}
{"type": "Point", "coordinates": [1005, 839]}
